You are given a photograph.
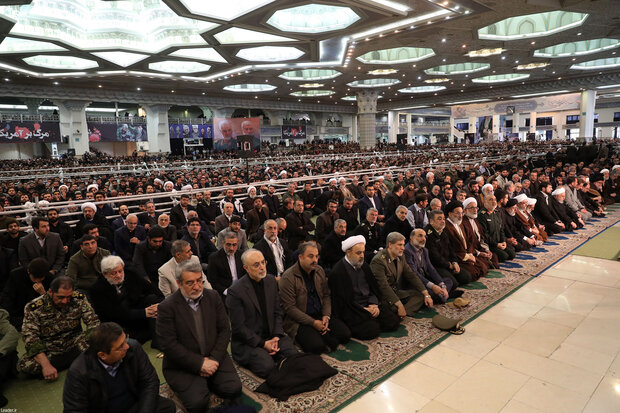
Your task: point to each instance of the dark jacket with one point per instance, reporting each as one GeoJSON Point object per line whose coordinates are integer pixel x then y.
{"type": "Point", "coordinates": [52, 251]}
{"type": "Point", "coordinates": [102, 223]}
{"type": "Point", "coordinates": [331, 251]}
{"type": "Point", "coordinates": [123, 247]}
{"type": "Point", "coordinates": [177, 217]}
{"type": "Point", "coordinates": [255, 220]}
{"type": "Point", "coordinates": [64, 230]}
{"type": "Point", "coordinates": [273, 203]}
{"type": "Point", "coordinates": [18, 292]}
{"type": "Point", "coordinates": [544, 210]}
{"type": "Point", "coordinates": [85, 389]}
{"type": "Point", "coordinates": [439, 251]}
{"type": "Point", "coordinates": [205, 244]}
{"type": "Point", "coordinates": [324, 225]}
{"type": "Point", "coordinates": [218, 271]}
{"type": "Point", "coordinates": [146, 261]}
{"type": "Point", "coordinates": [393, 224]}
{"type": "Point", "coordinates": [350, 216]}
{"type": "Point", "coordinates": [264, 247]}
{"type": "Point", "coordinates": [364, 204]}
{"type": "Point", "coordinates": [298, 227]}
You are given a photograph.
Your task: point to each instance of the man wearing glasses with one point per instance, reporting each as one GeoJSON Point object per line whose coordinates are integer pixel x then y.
{"type": "Point", "coordinates": [194, 332]}
{"type": "Point", "coordinates": [113, 375]}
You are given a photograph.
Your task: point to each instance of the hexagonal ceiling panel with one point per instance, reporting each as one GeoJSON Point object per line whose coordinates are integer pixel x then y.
{"type": "Point", "coordinates": [509, 77]}
{"type": "Point", "coordinates": [236, 35]}
{"type": "Point", "coordinates": [310, 74]}
{"type": "Point", "coordinates": [457, 69]}
{"type": "Point", "coordinates": [270, 53]}
{"type": "Point", "coordinates": [179, 66]}
{"type": "Point", "coordinates": [313, 18]}
{"type": "Point", "coordinates": [227, 10]}
{"type": "Point", "coordinates": [532, 25]}
{"type": "Point", "coordinates": [136, 25]}
{"type": "Point", "coordinates": [200, 53]}
{"type": "Point", "coordinates": [380, 82]}
{"type": "Point", "coordinates": [123, 59]}
{"type": "Point", "coordinates": [598, 64]}
{"type": "Point", "coordinates": [312, 93]}
{"type": "Point", "coordinates": [584, 47]}
{"type": "Point", "coordinates": [422, 89]}
{"type": "Point", "coordinates": [250, 87]}
{"type": "Point", "coordinates": [396, 55]}
{"type": "Point", "coordinates": [17, 45]}
{"type": "Point", "coordinates": [60, 62]}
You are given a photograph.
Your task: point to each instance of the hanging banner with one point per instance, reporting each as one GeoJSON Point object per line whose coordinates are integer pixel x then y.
{"type": "Point", "coordinates": [29, 131]}
{"type": "Point", "coordinates": [190, 131]}
{"type": "Point", "coordinates": [294, 132]}
{"type": "Point", "coordinates": [226, 130]}
{"type": "Point", "coordinates": [116, 132]}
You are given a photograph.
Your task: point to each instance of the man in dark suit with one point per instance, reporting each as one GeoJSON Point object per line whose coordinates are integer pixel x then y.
{"type": "Point", "coordinates": [208, 210]}
{"type": "Point", "coordinates": [371, 200]}
{"type": "Point", "coordinates": [397, 223]}
{"type": "Point", "coordinates": [42, 243]}
{"type": "Point", "coordinates": [151, 254]}
{"type": "Point", "coordinates": [225, 266]}
{"type": "Point", "coordinates": [256, 217]}
{"type": "Point", "coordinates": [194, 333]}
{"type": "Point", "coordinates": [119, 222]}
{"type": "Point", "coordinates": [258, 339]}
{"type": "Point", "coordinates": [148, 218]}
{"type": "Point", "coordinates": [274, 250]}
{"type": "Point", "coordinates": [272, 202]}
{"type": "Point", "coordinates": [325, 221]}
{"type": "Point", "coordinates": [126, 238]}
{"type": "Point", "coordinates": [544, 210]}
{"type": "Point", "coordinates": [298, 225]}
{"type": "Point", "coordinates": [61, 228]}
{"type": "Point", "coordinates": [178, 213]}
{"type": "Point", "coordinates": [348, 212]}
{"type": "Point", "coordinates": [223, 221]}
{"type": "Point", "coordinates": [201, 245]}
{"type": "Point", "coordinates": [331, 251]}
{"type": "Point", "coordinates": [393, 200]}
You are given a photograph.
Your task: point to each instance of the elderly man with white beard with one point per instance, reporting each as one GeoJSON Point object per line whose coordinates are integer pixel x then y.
{"type": "Point", "coordinates": [466, 253]}
{"type": "Point", "coordinates": [356, 298]}
{"type": "Point", "coordinates": [570, 219]}
{"type": "Point", "coordinates": [522, 215]}
{"type": "Point", "coordinates": [258, 339]}
{"type": "Point", "coordinates": [474, 234]}
{"type": "Point", "coordinates": [516, 234]}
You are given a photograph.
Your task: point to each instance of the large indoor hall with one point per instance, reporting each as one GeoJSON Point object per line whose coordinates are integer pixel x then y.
{"type": "Point", "coordinates": [286, 206]}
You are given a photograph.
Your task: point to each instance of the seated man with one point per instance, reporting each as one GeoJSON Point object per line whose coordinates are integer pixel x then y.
{"type": "Point", "coordinates": [545, 212]}
{"type": "Point", "coordinates": [23, 286]}
{"type": "Point", "coordinates": [201, 245]}
{"type": "Point", "coordinates": [126, 238]}
{"type": "Point", "coordinates": [474, 234]}
{"type": "Point", "coordinates": [119, 222]}
{"type": "Point", "coordinates": [516, 234]}
{"type": "Point", "coordinates": [194, 332]}
{"type": "Point", "coordinates": [42, 243]}
{"type": "Point", "coordinates": [298, 225]}
{"type": "Point", "coordinates": [8, 354]}
{"type": "Point", "coordinates": [570, 219]}
{"type": "Point", "coordinates": [126, 298]}
{"type": "Point", "coordinates": [397, 223]}
{"type": "Point", "coordinates": [439, 288]}
{"type": "Point", "coordinates": [325, 221]}
{"type": "Point", "coordinates": [401, 290]}
{"type": "Point", "coordinates": [223, 221]}
{"type": "Point", "coordinates": [332, 245]}
{"type": "Point", "coordinates": [256, 217]}
{"type": "Point", "coordinates": [178, 213]}
{"type": "Point", "coordinates": [369, 229]}
{"type": "Point", "coordinates": [92, 229]}
{"type": "Point", "coordinates": [225, 266]}
{"type": "Point", "coordinates": [491, 223]}
{"type": "Point", "coordinates": [356, 299]}
{"type": "Point", "coordinates": [170, 231]}
{"type": "Point", "coordinates": [151, 254]}
{"type": "Point", "coordinates": [85, 265]}
{"type": "Point", "coordinates": [274, 249]}
{"type": "Point", "coordinates": [234, 226]}
{"type": "Point", "coordinates": [307, 304]}
{"type": "Point", "coordinates": [181, 251]}
{"type": "Point", "coordinates": [52, 329]}
{"type": "Point", "coordinates": [61, 228]}
{"type": "Point", "coordinates": [113, 375]}
{"type": "Point", "coordinates": [258, 340]}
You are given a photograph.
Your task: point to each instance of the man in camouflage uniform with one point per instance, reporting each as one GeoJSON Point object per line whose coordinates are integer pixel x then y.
{"type": "Point", "coordinates": [52, 329]}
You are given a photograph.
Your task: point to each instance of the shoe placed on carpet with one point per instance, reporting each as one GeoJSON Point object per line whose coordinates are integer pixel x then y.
{"type": "Point", "coordinates": [456, 293]}
{"type": "Point", "coordinates": [459, 302]}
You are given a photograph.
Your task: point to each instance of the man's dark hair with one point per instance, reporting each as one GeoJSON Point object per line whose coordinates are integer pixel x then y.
{"type": "Point", "coordinates": [332, 201]}
{"type": "Point", "coordinates": [39, 267]}
{"type": "Point", "coordinates": [421, 198]}
{"type": "Point", "coordinates": [185, 196]}
{"type": "Point", "coordinates": [52, 209]}
{"type": "Point", "coordinates": [103, 336]}
{"type": "Point", "coordinates": [570, 180]}
{"type": "Point", "coordinates": [87, 237]}
{"type": "Point", "coordinates": [63, 282]}
{"type": "Point", "coordinates": [396, 188]}
{"type": "Point", "coordinates": [88, 227]}
{"type": "Point", "coordinates": [434, 213]}
{"type": "Point", "coordinates": [193, 219]}
{"type": "Point", "coordinates": [157, 232]}
{"type": "Point", "coordinates": [37, 220]}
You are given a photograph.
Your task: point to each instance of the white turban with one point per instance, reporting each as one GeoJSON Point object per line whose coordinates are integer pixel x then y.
{"type": "Point", "coordinates": [615, 167]}
{"type": "Point", "coordinates": [520, 198]}
{"type": "Point", "coordinates": [187, 187]}
{"type": "Point", "coordinates": [531, 201]}
{"type": "Point", "coordinates": [63, 185]}
{"type": "Point", "coordinates": [333, 180]}
{"type": "Point", "coordinates": [250, 188]}
{"type": "Point", "coordinates": [158, 181]}
{"type": "Point", "coordinates": [91, 186]}
{"type": "Point", "coordinates": [89, 205]}
{"type": "Point", "coordinates": [486, 186]}
{"type": "Point", "coordinates": [558, 191]}
{"type": "Point", "coordinates": [470, 200]}
{"type": "Point", "coordinates": [282, 173]}
{"type": "Point", "coordinates": [43, 204]}
{"type": "Point", "coordinates": [351, 241]}
{"type": "Point", "coordinates": [169, 182]}
{"type": "Point", "coordinates": [604, 170]}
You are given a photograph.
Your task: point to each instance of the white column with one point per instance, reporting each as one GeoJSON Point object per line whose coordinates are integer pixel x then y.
{"type": "Point", "coordinates": [72, 116]}
{"type": "Point", "coordinates": [451, 133]}
{"type": "Point", "coordinates": [586, 118]}
{"type": "Point", "coordinates": [367, 112]}
{"type": "Point", "coordinates": [495, 127]}
{"type": "Point", "coordinates": [559, 120]}
{"type": "Point", "coordinates": [516, 123]}
{"type": "Point", "coordinates": [472, 124]}
{"type": "Point", "coordinates": [354, 137]}
{"type": "Point", "coordinates": [533, 122]}
{"type": "Point", "coordinates": [393, 123]}
{"type": "Point", "coordinates": [409, 129]}
{"type": "Point", "coordinates": [157, 128]}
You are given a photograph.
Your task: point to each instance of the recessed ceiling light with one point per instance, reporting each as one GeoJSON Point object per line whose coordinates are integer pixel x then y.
{"type": "Point", "coordinates": [443, 40]}
{"type": "Point", "coordinates": [485, 52]}
{"type": "Point", "coordinates": [138, 88]}
{"type": "Point", "coordinates": [56, 83]}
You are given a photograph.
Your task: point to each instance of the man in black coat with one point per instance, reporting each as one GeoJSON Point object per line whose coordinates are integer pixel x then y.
{"type": "Point", "coordinates": [10, 239]}
{"type": "Point", "coordinates": [208, 210]}
{"type": "Point", "coordinates": [325, 221]}
{"type": "Point", "coordinates": [199, 240]}
{"type": "Point", "coordinates": [272, 202]}
{"type": "Point", "coordinates": [225, 266]}
{"type": "Point", "coordinates": [371, 200]}
{"type": "Point", "coordinates": [151, 254]}
{"type": "Point", "coordinates": [178, 213]}
{"type": "Point", "coordinates": [348, 212]}
{"type": "Point", "coordinates": [393, 200]}
{"type": "Point", "coordinates": [126, 238]}
{"type": "Point", "coordinates": [370, 230]}
{"type": "Point", "coordinates": [298, 225]}
{"type": "Point", "coordinates": [61, 228]}
{"type": "Point", "coordinates": [274, 249]}
{"type": "Point", "coordinates": [440, 252]}
{"type": "Point", "coordinates": [113, 375]}
{"type": "Point", "coordinates": [397, 223]}
{"type": "Point", "coordinates": [567, 216]}
{"type": "Point", "coordinates": [124, 297]}
{"type": "Point", "coordinates": [148, 218]}
{"type": "Point", "coordinates": [23, 286]}
{"type": "Point", "coordinates": [331, 251]}
{"type": "Point", "coordinates": [90, 216]}
{"type": "Point", "coordinates": [544, 210]}
{"type": "Point", "coordinates": [355, 295]}
{"type": "Point", "coordinates": [91, 229]}
{"type": "Point", "coordinates": [123, 211]}
{"type": "Point", "coordinates": [42, 243]}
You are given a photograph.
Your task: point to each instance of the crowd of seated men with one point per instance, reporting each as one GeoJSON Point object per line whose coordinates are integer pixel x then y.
{"type": "Point", "coordinates": [271, 275]}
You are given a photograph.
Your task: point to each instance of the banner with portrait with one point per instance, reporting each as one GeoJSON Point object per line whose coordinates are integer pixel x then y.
{"type": "Point", "coordinates": [190, 131]}
{"type": "Point", "coordinates": [294, 132]}
{"type": "Point", "coordinates": [14, 131]}
{"type": "Point", "coordinates": [226, 130]}
{"type": "Point", "coordinates": [117, 132]}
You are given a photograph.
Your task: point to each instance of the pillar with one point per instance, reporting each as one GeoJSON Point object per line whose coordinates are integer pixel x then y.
{"type": "Point", "coordinates": [409, 129]}
{"type": "Point", "coordinates": [558, 121]}
{"type": "Point", "coordinates": [533, 123]}
{"type": "Point", "coordinates": [516, 123]}
{"type": "Point", "coordinates": [207, 112]}
{"type": "Point", "coordinates": [393, 124]}
{"type": "Point", "coordinates": [72, 116]}
{"type": "Point", "coordinates": [451, 133]}
{"type": "Point", "coordinates": [472, 124]}
{"type": "Point", "coordinates": [354, 136]}
{"type": "Point", "coordinates": [495, 127]}
{"type": "Point", "coordinates": [157, 128]}
{"type": "Point", "coordinates": [223, 112]}
{"type": "Point", "coordinates": [586, 118]}
{"type": "Point", "coordinates": [367, 111]}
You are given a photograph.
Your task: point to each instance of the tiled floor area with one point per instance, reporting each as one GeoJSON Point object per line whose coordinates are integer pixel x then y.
{"type": "Point", "coordinates": [553, 346]}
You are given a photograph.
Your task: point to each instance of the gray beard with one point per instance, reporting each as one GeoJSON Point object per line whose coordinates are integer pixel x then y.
{"type": "Point", "coordinates": [472, 216]}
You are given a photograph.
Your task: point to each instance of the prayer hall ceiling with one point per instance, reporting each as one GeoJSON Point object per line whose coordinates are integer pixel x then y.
{"type": "Point", "coordinates": [414, 53]}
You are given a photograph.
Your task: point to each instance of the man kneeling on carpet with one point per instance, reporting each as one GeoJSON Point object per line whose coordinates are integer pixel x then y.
{"type": "Point", "coordinates": [113, 375]}
{"type": "Point", "coordinates": [401, 290]}
{"type": "Point", "coordinates": [258, 339]}
{"type": "Point", "coordinates": [356, 299]}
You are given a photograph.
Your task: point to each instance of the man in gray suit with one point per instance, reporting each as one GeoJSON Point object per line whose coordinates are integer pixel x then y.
{"type": "Point", "coordinates": [194, 332]}
{"type": "Point", "coordinates": [42, 243]}
{"type": "Point", "coordinates": [258, 340]}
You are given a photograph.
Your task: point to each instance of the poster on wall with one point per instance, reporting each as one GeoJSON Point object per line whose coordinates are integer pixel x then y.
{"type": "Point", "coordinates": [116, 132]}
{"type": "Point", "coordinates": [29, 131]}
{"type": "Point", "coordinates": [190, 131]}
{"type": "Point", "coordinates": [226, 131]}
{"type": "Point", "coordinates": [294, 132]}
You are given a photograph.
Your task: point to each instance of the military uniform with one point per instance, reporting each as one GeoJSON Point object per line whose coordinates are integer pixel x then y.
{"type": "Point", "coordinates": [54, 331]}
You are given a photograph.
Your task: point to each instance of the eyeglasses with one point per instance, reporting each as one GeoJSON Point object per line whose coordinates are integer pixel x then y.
{"type": "Point", "coordinates": [191, 283]}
